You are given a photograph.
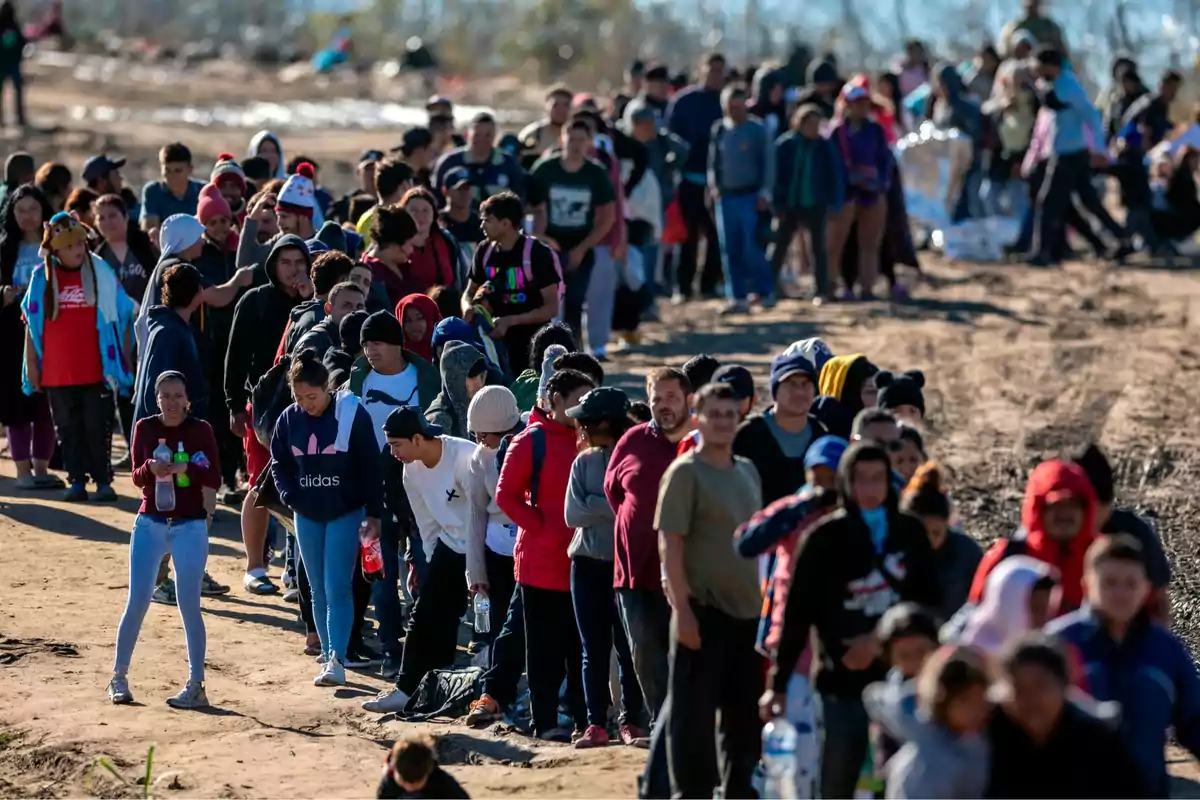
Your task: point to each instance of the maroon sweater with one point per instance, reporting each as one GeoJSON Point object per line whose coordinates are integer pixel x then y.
{"type": "Point", "coordinates": [631, 482]}
{"type": "Point", "coordinates": [203, 466]}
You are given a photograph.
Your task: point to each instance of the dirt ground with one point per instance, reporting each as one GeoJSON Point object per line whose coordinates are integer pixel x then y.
{"type": "Point", "coordinates": [1020, 364]}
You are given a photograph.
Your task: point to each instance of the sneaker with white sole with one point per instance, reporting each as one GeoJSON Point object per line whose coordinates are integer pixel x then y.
{"type": "Point", "coordinates": [362, 658]}
{"type": "Point", "coordinates": [332, 674]}
{"type": "Point", "coordinates": [190, 696]}
{"type": "Point", "coordinates": [389, 701]}
{"type": "Point", "coordinates": [118, 691]}
{"type": "Point", "coordinates": [291, 594]}
{"type": "Point", "coordinates": [164, 593]}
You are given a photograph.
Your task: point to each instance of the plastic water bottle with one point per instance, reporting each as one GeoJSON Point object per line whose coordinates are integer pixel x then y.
{"type": "Point", "coordinates": [182, 480]}
{"type": "Point", "coordinates": [372, 555]}
{"type": "Point", "coordinates": [779, 741]}
{"type": "Point", "coordinates": [483, 613]}
{"type": "Point", "coordinates": [164, 487]}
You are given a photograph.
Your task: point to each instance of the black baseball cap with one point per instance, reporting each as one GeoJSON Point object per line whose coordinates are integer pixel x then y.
{"type": "Point", "coordinates": [414, 139]}
{"type": "Point", "coordinates": [604, 402]}
{"type": "Point", "coordinates": [97, 167]}
{"type": "Point", "coordinates": [456, 177]}
{"type": "Point", "coordinates": [738, 377]}
{"type": "Point", "coordinates": [408, 421]}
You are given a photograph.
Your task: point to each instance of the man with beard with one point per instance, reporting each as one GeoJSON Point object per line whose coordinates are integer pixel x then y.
{"type": "Point", "coordinates": [638, 462]}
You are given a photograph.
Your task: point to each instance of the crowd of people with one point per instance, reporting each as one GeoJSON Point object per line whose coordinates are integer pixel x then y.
{"type": "Point", "coordinates": [404, 390]}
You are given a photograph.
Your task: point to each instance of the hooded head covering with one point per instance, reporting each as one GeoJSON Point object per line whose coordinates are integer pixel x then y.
{"type": "Point", "coordinates": [1003, 614]}
{"type": "Point", "coordinates": [285, 241]}
{"type": "Point", "coordinates": [256, 143]}
{"type": "Point", "coordinates": [452, 404]}
{"type": "Point", "coordinates": [428, 309]}
{"type": "Point", "coordinates": [814, 349]}
{"type": "Point", "coordinates": [62, 231]}
{"type": "Point", "coordinates": [856, 453]}
{"type": "Point", "coordinates": [552, 352]}
{"type": "Point", "coordinates": [1052, 482]}
{"type": "Point", "coordinates": [843, 377]}
{"type": "Point", "coordinates": [453, 329]}
{"type": "Point", "coordinates": [179, 232]}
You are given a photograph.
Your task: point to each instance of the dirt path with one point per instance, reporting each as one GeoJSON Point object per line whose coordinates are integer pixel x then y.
{"type": "Point", "coordinates": [1020, 364]}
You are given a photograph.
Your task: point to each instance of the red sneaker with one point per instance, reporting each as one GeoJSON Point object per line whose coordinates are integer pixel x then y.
{"type": "Point", "coordinates": [594, 736]}
{"type": "Point", "coordinates": [633, 736]}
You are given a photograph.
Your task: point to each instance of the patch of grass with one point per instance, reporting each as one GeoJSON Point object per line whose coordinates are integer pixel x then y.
{"type": "Point", "coordinates": [146, 781]}
{"type": "Point", "coordinates": [10, 738]}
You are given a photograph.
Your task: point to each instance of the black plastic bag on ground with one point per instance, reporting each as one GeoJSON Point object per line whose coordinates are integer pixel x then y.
{"type": "Point", "coordinates": [444, 693]}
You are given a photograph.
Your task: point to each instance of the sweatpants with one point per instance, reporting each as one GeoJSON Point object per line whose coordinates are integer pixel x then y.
{"type": "Point", "coordinates": [84, 417]}
{"type": "Point", "coordinates": [600, 630]}
{"type": "Point", "coordinates": [433, 624]}
{"type": "Point", "coordinates": [186, 540]}
{"type": "Point", "coordinates": [36, 438]}
{"type": "Point", "coordinates": [329, 550]}
{"type": "Point", "coordinates": [552, 653]}
{"type": "Point", "coordinates": [744, 260]}
{"type": "Point", "coordinates": [724, 675]}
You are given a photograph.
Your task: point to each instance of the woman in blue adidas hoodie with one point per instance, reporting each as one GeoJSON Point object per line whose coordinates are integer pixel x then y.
{"type": "Point", "coordinates": [325, 462]}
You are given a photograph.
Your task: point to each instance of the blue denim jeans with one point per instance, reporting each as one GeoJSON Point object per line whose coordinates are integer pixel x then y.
{"type": "Point", "coordinates": [600, 630]}
{"type": "Point", "coordinates": [330, 554]}
{"type": "Point", "coordinates": [744, 260]}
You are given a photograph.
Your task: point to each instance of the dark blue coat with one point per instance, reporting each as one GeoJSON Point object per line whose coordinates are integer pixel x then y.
{"type": "Point", "coordinates": [169, 346]}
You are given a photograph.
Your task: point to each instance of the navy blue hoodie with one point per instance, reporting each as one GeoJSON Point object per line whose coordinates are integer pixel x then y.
{"type": "Point", "coordinates": [319, 477]}
{"type": "Point", "coordinates": [169, 345]}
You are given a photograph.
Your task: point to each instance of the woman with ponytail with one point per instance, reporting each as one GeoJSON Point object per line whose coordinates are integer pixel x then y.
{"type": "Point", "coordinates": [955, 553]}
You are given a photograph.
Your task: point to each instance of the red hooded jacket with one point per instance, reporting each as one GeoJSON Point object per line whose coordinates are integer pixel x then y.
{"type": "Point", "coordinates": [543, 534]}
{"type": "Point", "coordinates": [428, 309]}
{"type": "Point", "coordinates": [1051, 482]}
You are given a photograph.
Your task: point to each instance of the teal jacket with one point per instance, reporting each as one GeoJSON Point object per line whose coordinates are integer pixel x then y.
{"type": "Point", "coordinates": [429, 381]}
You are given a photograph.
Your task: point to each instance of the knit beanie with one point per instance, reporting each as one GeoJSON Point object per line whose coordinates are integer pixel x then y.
{"type": "Point", "coordinates": [902, 389]}
{"type": "Point", "coordinates": [228, 170]}
{"type": "Point", "coordinates": [212, 204]}
{"type": "Point", "coordinates": [382, 326]}
{"type": "Point", "coordinates": [493, 410]}
{"type": "Point", "coordinates": [814, 349]}
{"type": "Point", "coordinates": [179, 232]}
{"type": "Point", "coordinates": [350, 330]}
{"type": "Point", "coordinates": [552, 352]}
{"type": "Point", "coordinates": [298, 194]}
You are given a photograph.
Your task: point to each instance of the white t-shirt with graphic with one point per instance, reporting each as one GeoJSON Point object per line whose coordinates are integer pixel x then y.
{"type": "Point", "coordinates": [381, 394]}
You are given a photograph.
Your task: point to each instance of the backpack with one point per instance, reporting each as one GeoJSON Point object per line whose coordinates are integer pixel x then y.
{"type": "Point", "coordinates": [527, 266]}
{"type": "Point", "coordinates": [538, 437]}
{"type": "Point", "coordinates": [269, 399]}
{"type": "Point", "coordinates": [444, 693]}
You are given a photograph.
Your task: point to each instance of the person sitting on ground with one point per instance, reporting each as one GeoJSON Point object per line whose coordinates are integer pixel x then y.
{"type": "Point", "coordinates": [411, 770]}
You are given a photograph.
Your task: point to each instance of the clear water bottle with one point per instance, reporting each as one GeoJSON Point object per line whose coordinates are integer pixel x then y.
{"type": "Point", "coordinates": [483, 613]}
{"type": "Point", "coordinates": [164, 487]}
{"type": "Point", "coordinates": [779, 741]}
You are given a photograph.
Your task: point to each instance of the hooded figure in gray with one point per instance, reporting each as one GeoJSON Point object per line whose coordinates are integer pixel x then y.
{"type": "Point", "coordinates": [449, 409]}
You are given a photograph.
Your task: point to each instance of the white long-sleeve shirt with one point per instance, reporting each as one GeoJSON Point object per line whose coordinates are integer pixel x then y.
{"type": "Point", "coordinates": [438, 495]}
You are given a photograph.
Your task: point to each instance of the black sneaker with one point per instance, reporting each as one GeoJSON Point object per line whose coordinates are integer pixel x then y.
{"type": "Point", "coordinates": [390, 669]}
{"type": "Point", "coordinates": [362, 657]}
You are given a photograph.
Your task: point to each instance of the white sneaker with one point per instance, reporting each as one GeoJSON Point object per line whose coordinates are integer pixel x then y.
{"type": "Point", "coordinates": [332, 674]}
{"type": "Point", "coordinates": [190, 696]}
{"type": "Point", "coordinates": [390, 701]}
{"type": "Point", "coordinates": [118, 691]}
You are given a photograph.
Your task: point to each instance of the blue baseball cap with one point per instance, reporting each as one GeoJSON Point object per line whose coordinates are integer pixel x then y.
{"type": "Point", "coordinates": [825, 452]}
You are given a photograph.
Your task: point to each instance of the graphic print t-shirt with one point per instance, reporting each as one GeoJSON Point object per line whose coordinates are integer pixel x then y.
{"type": "Point", "coordinates": [71, 343]}
{"type": "Point", "coordinates": [571, 198]}
{"type": "Point", "coordinates": [29, 258]}
{"type": "Point", "coordinates": [384, 393]}
{"type": "Point", "coordinates": [514, 292]}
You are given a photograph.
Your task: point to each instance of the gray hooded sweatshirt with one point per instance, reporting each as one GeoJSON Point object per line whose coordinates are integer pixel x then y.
{"type": "Point", "coordinates": [449, 409]}
{"type": "Point", "coordinates": [587, 509]}
{"type": "Point", "coordinates": [933, 763]}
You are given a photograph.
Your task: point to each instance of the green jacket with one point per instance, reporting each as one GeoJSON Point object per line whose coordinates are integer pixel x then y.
{"type": "Point", "coordinates": [429, 382]}
{"type": "Point", "coordinates": [525, 388]}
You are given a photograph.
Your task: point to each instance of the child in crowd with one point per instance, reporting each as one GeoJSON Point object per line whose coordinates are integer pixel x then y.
{"type": "Point", "coordinates": [411, 770]}
{"type": "Point", "coordinates": [1019, 597]}
{"type": "Point", "coordinates": [911, 454]}
{"type": "Point", "coordinates": [956, 554]}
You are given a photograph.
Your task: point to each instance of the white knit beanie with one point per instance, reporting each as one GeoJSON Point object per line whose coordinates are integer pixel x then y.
{"type": "Point", "coordinates": [552, 352]}
{"type": "Point", "coordinates": [493, 410]}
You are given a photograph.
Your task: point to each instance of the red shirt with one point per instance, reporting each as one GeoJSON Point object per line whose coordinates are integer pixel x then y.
{"type": "Point", "coordinates": [398, 285]}
{"type": "Point", "coordinates": [631, 482]}
{"type": "Point", "coordinates": [433, 264]}
{"type": "Point", "coordinates": [71, 343]}
{"type": "Point", "coordinates": [204, 467]}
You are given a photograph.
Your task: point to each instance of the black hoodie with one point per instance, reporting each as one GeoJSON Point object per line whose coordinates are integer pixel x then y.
{"type": "Point", "coordinates": [841, 586]}
{"type": "Point", "coordinates": [258, 323]}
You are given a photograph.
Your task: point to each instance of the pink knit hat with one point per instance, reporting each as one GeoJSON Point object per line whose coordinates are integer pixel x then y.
{"type": "Point", "coordinates": [212, 204]}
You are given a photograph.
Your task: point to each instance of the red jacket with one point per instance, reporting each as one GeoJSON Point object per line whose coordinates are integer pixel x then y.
{"type": "Point", "coordinates": [1061, 480]}
{"type": "Point", "coordinates": [543, 534]}
{"type": "Point", "coordinates": [631, 482]}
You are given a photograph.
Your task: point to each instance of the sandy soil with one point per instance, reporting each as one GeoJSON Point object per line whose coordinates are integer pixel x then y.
{"type": "Point", "coordinates": [1020, 363]}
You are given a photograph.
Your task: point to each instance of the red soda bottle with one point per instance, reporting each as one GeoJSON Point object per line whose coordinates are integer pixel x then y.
{"type": "Point", "coordinates": [372, 555]}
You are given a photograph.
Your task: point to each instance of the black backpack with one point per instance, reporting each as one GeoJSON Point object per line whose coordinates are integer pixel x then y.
{"type": "Point", "coordinates": [269, 399]}
{"type": "Point", "coordinates": [538, 437]}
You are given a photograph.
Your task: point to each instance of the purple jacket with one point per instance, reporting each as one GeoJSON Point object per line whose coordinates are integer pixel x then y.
{"type": "Point", "coordinates": [868, 160]}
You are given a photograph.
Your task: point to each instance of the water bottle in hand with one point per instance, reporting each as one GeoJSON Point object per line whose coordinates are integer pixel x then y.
{"type": "Point", "coordinates": [181, 479]}
{"type": "Point", "coordinates": [779, 741]}
{"type": "Point", "coordinates": [164, 487]}
{"type": "Point", "coordinates": [483, 613]}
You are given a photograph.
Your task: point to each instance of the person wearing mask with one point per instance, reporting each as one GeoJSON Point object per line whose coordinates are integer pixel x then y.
{"type": "Point", "coordinates": [1058, 524]}
{"type": "Point", "coordinates": [259, 319]}
{"type": "Point", "coordinates": [1043, 743]}
{"type": "Point", "coordinates": [26, 417]}
{"type": "Point", "coordinates": [741, 181]}
{"type": "Point", "coordinates": [1127, 658]}
{"type": "Point", "coordinates": [532, 491]}
{"type": "Point", "coordinates": [324, 463]}
{"type": "Point", "coordinates": [545, 134]}
{"type": "Point", "coordinates": [392, 180]}
{"type": "Point", "coordinates": [855, 564]}
{"type": "Point", "coordinates": [180, 532]}
{"type": "Point", "coordinates": [956, 554]}
{"type": "Point", "coordinates": [692, 116]}
{"type": "Point", "coordinates": [704, 496]}
{"type": "Point", "coordinates": [266, 145]}
{"type": "Point", "coordinates": [523, 275]}
{"type": "Point", "coordinates": [603, 418]}
{"type": "Point", "coordinates": [177, 193]}
{"type": "Point", "coordinates": [464, 373]}
{"type": "Point", "coordinates": [776, 441]}
{"type": "Point", "coordinates": [492, 170]}
{"type": "Point", "coordinates": [78, 343]}
{"type": "Point", "coordinates": [437, 470]}
{"type": "Point", "coordinates": [393, 236]}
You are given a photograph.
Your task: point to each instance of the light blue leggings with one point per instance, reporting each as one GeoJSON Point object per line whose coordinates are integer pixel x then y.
{"type": "Point", "coordinates": [330, 554]}
{"type": "Point", "coordinates": [187, 542]}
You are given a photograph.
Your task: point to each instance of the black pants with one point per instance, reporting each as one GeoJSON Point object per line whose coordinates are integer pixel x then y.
{"type": "Point", "coordinates": [125, 414]}
{"type": "Point", "coordinates": [552, 652]}
{"type": "Point", "coordinates": [516, 342]}
{"type": "Point", "coordinates": [506, 656]}
{"type": "Point", "coordinates": [575, 293]}
{"type": "Point", "coordinates": [433, 625]}
{"type": "Point", "coordinates": [501, 584]}
{"type": "Point", "coordinates": [1068, 177]}
{"type": "Point", "coordinates": [600, 629]}
{"type": "Point", "coordinates": [787, 224]}
{"type": "Point", "coordinates": [725, 674]}
{"type": "Point", "coordinates": [699, 221]}
{"type": "Point", "coordinates": [84, 416]}
{"type": "Point", "coordinates": [1071, 219]}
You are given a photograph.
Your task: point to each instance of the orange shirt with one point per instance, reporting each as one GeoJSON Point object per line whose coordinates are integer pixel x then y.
{"type": "Point", "coordinates": [71, 343]}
